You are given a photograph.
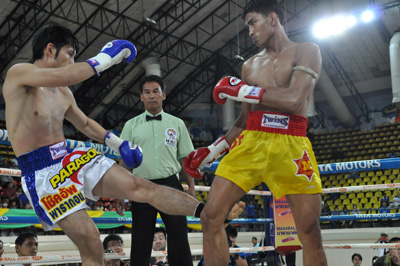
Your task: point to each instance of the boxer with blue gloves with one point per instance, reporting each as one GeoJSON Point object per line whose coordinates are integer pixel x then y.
{"type": "Point", "coordinates": [129, 152]}
{"type": "Point", "coordinates": [113, 53]}
{"type": "Point", "coordinates": [57, 179]}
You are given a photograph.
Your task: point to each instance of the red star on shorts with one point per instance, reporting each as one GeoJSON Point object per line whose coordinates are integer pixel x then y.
{"type": "Point", "coordinates": [304, 166]}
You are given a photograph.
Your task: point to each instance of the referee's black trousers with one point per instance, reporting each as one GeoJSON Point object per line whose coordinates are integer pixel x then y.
{"type": "Point", "coordinates": [143, 223]}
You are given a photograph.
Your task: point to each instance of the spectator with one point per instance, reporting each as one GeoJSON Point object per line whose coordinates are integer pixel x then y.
{"type": "Point", "coordinates": [159, 244]}
{"type": "Point", "coordinates": [238, 258]}
{"type": "Point", "coordinates": [396, 201]}
{"type": "Point", "coordinates": [255, 245]}
{"type": "Point", "coordinates": [310, 131]}
{"type": "Point", "coordinates": [345, 211]}
{"type": "Point", "coordinates": [99, 205]}
{"type": "Point", "coordinates": [393, 154]}
{"type": "Point", "coordinates": [196, 130]}
{"type": "Point", "coordinates": [355, 211]}
{"type": "Point", "coordinates": [205, 135]}
{"type": "Point", "coordinates": [4, 179]}
{"type": "Point", "coordinates": [251, 214]}
{"type": "Point", "coordinates": [384, 209]}
{"type": "Point", "coordinates": [4, 203]}
{"type": "Point", "coordinates": [14, 163]}
{"type": "Point", "coordinates": [23, 199]}
{"type": "Point", "coordinates": [335, 212]}
{"type": "Point", "coordinates": [392, 258]}
{"type": "Point", "coordinates": [254, 242]}
{"type": "Point", "coordinates": [19, 191]}
{"type": "Point", "coordinates": [114, 243]}
{"type": "Point", "coordinates": [356, 259]}
{"type": "Point", "coordinates": [6, 163]}
{"type": "Point", "coordinates": [384, 238]}
{"type": "Point", "coordinates": [26, 244]}
{"type": "Point", "coordinates": [1, 248]}
{"type": "Point", "coordinates": [385, 198]}
{"type": "Point", "coordinates": [109, 208]}
{"type": "Point", "coordinates": [14, 204]}
{"type": "Point", "coordinates": [353, 175]}
{"type": "Point", "coordinates": [10, 191]}
{"type": "Point", "coordinates": [326, 211]}
{"type": "Point", "coordinates": [165, 140]}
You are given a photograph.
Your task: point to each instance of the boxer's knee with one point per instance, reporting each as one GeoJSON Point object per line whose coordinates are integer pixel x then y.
{"type": "Point", "coordinates": [212, 217]}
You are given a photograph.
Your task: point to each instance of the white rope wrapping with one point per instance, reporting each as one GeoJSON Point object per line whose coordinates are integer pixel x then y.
{"type": "Point", "coordinates": [76, 258]}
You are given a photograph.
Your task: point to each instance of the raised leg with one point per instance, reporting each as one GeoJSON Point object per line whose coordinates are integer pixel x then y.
{"type": "Point", "coordinates": [121, 184]}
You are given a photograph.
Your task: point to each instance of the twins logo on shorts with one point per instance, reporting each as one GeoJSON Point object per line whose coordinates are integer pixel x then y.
{"type": "Point", "coordinates": [304, 166]}
{"type": "Point", "coordinates": [72, 164]}
{"type": "Point", "coordinates": [171, 137]}
{"type": "Point", "coordinates": [58, 150]}
{"type": "Point", "coordinates": [275, 121]}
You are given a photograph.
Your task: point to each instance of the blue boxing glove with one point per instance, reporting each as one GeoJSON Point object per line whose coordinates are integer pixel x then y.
{"type": "Point", "coordinates": [113, 53]}
{"type": "Point", "coordinates": [130, 153]}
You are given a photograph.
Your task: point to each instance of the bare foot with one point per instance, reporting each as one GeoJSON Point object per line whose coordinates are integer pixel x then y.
{"type": "Point", "coordinates": [236, 210]}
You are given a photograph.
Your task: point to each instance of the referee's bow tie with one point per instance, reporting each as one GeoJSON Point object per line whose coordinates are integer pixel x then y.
{"type": "Point", "coordinates": [149, 118]}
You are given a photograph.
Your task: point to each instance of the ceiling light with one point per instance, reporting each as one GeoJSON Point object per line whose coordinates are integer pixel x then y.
{"type": "Point", "coordinates": [367, 16]}
{"type": "Point", "coordinates": [151, 21]}
{"type": "Point", "coordinates": [333, 26]}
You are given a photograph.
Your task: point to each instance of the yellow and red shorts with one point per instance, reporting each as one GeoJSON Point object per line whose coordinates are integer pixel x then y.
{"type": "Point", "coordinates": [273, 149]}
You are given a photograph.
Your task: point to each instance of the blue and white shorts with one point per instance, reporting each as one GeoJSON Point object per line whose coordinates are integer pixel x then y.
{"type": "Point", "coordinates": [57, 180]}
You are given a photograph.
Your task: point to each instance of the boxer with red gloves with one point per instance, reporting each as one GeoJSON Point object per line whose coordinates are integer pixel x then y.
{"type": "Point", "coordinates": [268, 140]}
{"type": "Point", "coordinates": [237, 90]}
{"type": "Point", "coordinates": [205, 156]}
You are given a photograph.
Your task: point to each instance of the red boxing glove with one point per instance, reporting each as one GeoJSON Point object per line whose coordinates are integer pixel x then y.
{"type": "Point", "coordinates": [235, 89]}
{"type": "Point", "coordinates": [202, 157]}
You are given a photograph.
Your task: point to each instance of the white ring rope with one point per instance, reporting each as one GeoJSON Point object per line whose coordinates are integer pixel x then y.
{"type": "Point", "coordinates": [76, 258]}
{"type": "Point", "coordinates": [17, 172]}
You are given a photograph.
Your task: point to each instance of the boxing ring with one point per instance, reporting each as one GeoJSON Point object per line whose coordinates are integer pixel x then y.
{"type": "Point", "coordinates": [368, 165]}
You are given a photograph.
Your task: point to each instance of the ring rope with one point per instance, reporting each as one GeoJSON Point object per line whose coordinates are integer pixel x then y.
{"type": "Point", "coordinates": [98, 220]}
{"type": "Point", "coordinates": [72, 258]}
{"type": "Point", "coordinates": [16, 172]}
{"type": "Point", "coordinates": [122, 220]}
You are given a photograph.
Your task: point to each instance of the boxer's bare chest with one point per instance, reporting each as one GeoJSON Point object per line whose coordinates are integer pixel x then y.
{"type": "Point", "coordinates": [51, 102]}
{"type": "Point", "coordinates": [272, 70]}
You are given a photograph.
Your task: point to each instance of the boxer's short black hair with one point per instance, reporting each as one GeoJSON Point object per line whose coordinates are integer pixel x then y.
{"type": "Point", "coordinates": [264, 7]}
{"type": "Point", "coordinates": [56, 34]}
